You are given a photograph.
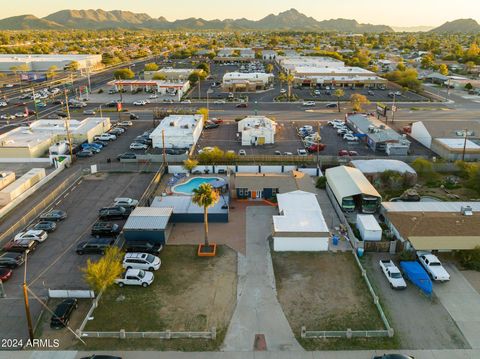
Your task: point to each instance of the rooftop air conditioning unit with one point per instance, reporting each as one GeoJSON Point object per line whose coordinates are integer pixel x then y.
{"type": "Point", "coordinates": [172, 124]}
{"type": "Point", "coordinates": [467, 211]}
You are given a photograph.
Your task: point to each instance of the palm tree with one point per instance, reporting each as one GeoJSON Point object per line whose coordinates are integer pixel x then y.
{"type": "Point", "coordinates": [339, 93]}
{"type": "Point", "coordinates": [282, 78]}
{"type": "Point", "coordinates": [290, 79]}
{"type": "Point", "coordinates": [205, 196]}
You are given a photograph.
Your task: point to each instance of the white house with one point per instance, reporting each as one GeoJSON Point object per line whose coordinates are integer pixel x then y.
{"type": "Point", "coordinates": [257, 130]}
{"type": "Point", "coordinates": [300, 225]}
{"type": "Point", "coordinates": [177, 131]}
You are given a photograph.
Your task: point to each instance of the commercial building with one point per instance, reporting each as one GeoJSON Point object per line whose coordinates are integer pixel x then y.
{"type": "Point", "coordinates": [300, 225]}
{"type": "Point", "coordinates": [16, 188]}
{"type": "Point", "coordinates": [352, 190]}
{"type": "Point", "coordinates": [36, 139]}
{"type": "Point", "coordinates": [169, 74]}
{"type": "Point", "coordinates": [434, 226]}
{"type": "Point", "coordinates": [257, 130]}
{"type": "Point", "coordinates": [267, 185]}
{"type": "Point", "coordinates": [177, 131]}
{"type": "Point", "coordinates": [148, 224]}
{"type": "Point", "coordinates": [236, 52]}
{"type": "Point", "coordinates": [378, 136]}
{"type": "Point", "coordinates": [185, 211]}
{"type": "Point", "coordinates": [175, 90]}
{"type": "Point", "coordinates": [452, 140]}
{"type": "Point", "coordinates": [42, 63]}
{"type": "Point", "coordinates": [326, 71]}
{"type": "Point", "coordinates": [246, 82]}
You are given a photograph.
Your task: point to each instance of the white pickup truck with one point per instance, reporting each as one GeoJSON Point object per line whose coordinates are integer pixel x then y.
{"type": "Point", "coordinates": [135, 277]}
{"type": "Point", "coordinates": [393, 274]}
{"type": "Point", "coordinates": [433, 266]}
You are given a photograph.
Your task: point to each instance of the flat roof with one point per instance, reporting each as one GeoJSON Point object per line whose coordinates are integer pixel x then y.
{"type": "Point", "coordinates": [381, 132]}
{"type": "Point", "coordinates": [458, 143]}
{"type": "Point", "coordinates": [452, 129]}
{"type": "Point", "coordinates": [429, 206]}
{"type": "Point", "coordinates": [380, 165]}
{"type": "Point", "coordinates": [157, 83]}
{"type": "Point", "coordinates": [285, 182]}
{"type": "Point", "coordinates": [184, 204]}
{"type": "Point", "coordinates": [348, 181]}
{"type": "Point", "coordinates": [149, 218]}
{"type": "Point", "coordinates": [47, 57]}
{"type": "Point", "coordinates": [178, 124]}
{"type": "Point", "coordinates": [369, 222]}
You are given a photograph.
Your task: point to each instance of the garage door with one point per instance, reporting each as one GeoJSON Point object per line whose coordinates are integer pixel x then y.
{"type": "Point", "coordinates": [300, 244]}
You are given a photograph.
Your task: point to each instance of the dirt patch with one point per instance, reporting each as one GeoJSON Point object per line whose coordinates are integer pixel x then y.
{"type": "Point", "coordinates": [323, 291]}
{"type": "Point", "coordinates": [188, 294]}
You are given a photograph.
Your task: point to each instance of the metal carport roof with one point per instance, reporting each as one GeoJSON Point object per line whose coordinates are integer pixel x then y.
{"type": "Point", "coordinates": [348, 181]}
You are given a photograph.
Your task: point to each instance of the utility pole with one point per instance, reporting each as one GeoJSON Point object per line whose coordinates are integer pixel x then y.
{"type": "Point", "coordinates": [318, 146]}
{"type": "Point", "coordinates": [164, 152]}
{"type": "Point", "coordinates": [34, 103]}
{"type": "Point", "coordinates": [89, 84]}
{"type": "Point", "coordinates": [464, 143]}
{"type": "Point", "coordinates": [67, 127]}
{"type": "Point", "coordinates": [394, 107]}
{"type": "Point", "coordinates": [25, 298]}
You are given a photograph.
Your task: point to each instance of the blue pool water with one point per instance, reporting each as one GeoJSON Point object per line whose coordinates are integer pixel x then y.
{"type": "Point", "coordinates": [193, 183]}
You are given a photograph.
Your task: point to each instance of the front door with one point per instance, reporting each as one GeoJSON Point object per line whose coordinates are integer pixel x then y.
{"type": "Point", "coordinates": [254, 194]}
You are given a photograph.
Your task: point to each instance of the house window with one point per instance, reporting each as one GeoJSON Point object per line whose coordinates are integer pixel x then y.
{"type": "Point", "coordinates": [242, 192]}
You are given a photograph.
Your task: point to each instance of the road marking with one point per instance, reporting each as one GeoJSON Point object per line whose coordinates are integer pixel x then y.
{"type": "Point", "coordinates": [66, 195]}
{"type": "Point", "coordinates": [58, 202]}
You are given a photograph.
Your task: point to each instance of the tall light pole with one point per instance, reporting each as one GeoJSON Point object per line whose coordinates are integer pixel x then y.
{"type": "Point", "coordinates": [394, 107]}
{"type": "Point", "coordinates": [465, 135]}
{"type": "Point", "coordinates": [25, 299]}
{"type": "Point", "coordinates": [34, 103]}
{"type": "Point", "coordinates": [67, 127]}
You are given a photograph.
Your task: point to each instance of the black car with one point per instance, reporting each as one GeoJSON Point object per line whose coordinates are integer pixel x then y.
{"type": "Point", "coordinates": [22, 245]}
{"type": "Point", "coordinates": [54, 215]}
{"type": "Point", "coordinates": [47, 226]}
{"type": "Point", "coordinates": [11, 259]}
{"type": "Point", "coordinates": [100, 229]}
{"type": "Point", "coordinates": [101, 143]}
{"type": "Point", "coordinates": [133, 116]}
{"type": "Point", "coordinates": [114, 213]}
{"type": "Point", "coordinates": [95, 245]}
{"type": "Point", "coordinates": [127, 156]}
{"type": "Point", "coordinates": [393, 356]}
{"type": "Point", "coordinates": [211, 125]}
{"type": "Point", "coordinates": [143, 247]}
{"type": "Point", "coordinates": [57, 102]}
{"type": "Point", "coordinates": [61, 114]}
{"type": "Point", "coordinates": [84, 154]}
{"type": "Point", "coordinates": [331, 105]}
{"type": "Point", "coordinates": [61, 315]}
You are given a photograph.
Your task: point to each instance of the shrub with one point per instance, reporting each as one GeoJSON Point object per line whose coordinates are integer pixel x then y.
{"type": "Point", "coordinates": [470, 259]}
{"type": "Point", "coordinates": [406, 256]}
{"type": "Point", "coordinates": [321, 182]}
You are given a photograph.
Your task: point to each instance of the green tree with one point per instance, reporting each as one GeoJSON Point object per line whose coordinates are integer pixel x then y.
{"type": "Point", "coordinates": [52, 71]}
{"type": "Point", "coordinates": [269, 68]}
{"type": "Point", "coordinates": [339, 93]}
{"type": "Point", "coordinates": [205, 196]}
{"type": "Point", "coordinates": [358, 100]}
{"type": "Point", "coordinates": [190, 164]}
{"type": "Point", "coordinates": [282, 78]}
{"type": "Point", "coordinates": [469, 66]}
{"type": "Point", "coordinates": [159, 76]}
{"type": "Point", "coordinates": [124, 74]}
{"type": "Point", "coordinates": [443, 69]}
{"type": "Point", "coordinates": [428, 61]}
{"type": "Point", "coordinates": [102, 274]}
{"type": "Point", "coordinates": [401, 66]}
{"type": "Point", "coordinates": [468, 86]}
{"type": "Point", "coordinates": [197, 75]}
{"type": "Point", "coordinates": [151, 66]}
{"type": "Point", "coordinates": [72, 66]}
{"type": "Point", "coordinates": [204, 67]}
{"type": "Point", "coordinates": [422, 166]}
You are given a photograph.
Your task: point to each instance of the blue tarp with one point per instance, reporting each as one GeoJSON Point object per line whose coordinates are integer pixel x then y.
{"type": "Point", "coordinates": [414, 272]}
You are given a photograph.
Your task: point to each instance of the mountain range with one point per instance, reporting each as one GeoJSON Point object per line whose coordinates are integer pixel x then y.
{"type": "Point", "coordinates": [287, 20]}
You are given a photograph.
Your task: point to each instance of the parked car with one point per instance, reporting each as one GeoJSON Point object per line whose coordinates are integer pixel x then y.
{"type": "Point", "coordinates": [32, 234]}
{"type": "Point", "coordinates": [126, 123]}
{"type": "Point", "coordinates": [316, 147]}
{"type": "Point", "coordinates": [89, 112]}
{"type": "Point", "coordinates": [7, 117]}
{"type": "Point", "coordinates": [145, 261]}
{"type": "Point", "coordinates": [127, 156]}
{"type": "Point", "coordinates": [219, 102]}
{"type": "Point", "coordinates": [139, 103]}
{"type": "Point", "coordinates": [287, 153]}
{"type": "Point", "coordinates": [107, 137]}
{"type": "Point", "coordinates": [301, 152]}
{"type": "Point", "coordinates": [53, 215]}
{"type": "Point", "coordinates": [95, 245]}
{"type": "Point", "coordinates": [135, 277]}
{"type": "Point", "coordinates": [21, 114]}
{"type": "Point", "coordinates": [105, 229]}
{"type": "Point", "coordinates": [133, 117]}
{"type": "Point", "coordinates": [308, 103]}
{"type": "Point", "coordinates": [393, 274]}
{"type": "Point", "coordinates": [216, 120]}
{"type": "Point", "coordinates": [336, 122]}
{"type": "Point", "coordinates": [242, 153]}
{"type": "Point", "coordinates": [63, 311]}
{"type": "Point", "coordinates": [342, 153]}
{"type": "Point", "coordinates": [143, 247]}
{"type": "Point", "coordinates": [138, 146]}
{"type": "Point", "coordinates": [241, 105]}
{"type": "Point", "coordinates": [209, 126]}
{"type": "Point", "coordinates": [21, 245]}
{"type": "Point", "coordinates": [371, 93]}
{"type": "Point", "coordinates": [12, 259]}
{"type": "Point", "coordinates": [117, 131]}
{"type": "Point", "coordinates": [331, 105]}
{"type": "Point", "coordinates": [47, 226]}
{"type": "Point", "coordinates": [278, 153]}
{"type": "Point", "coordinates": [125, 202]}
{"type": "Point", "coordinates": [350, 137]}
{"type": "Point", "coordinates": [433, 266]}
{"type": "Point", "coordinates": [5, 274]}
{"type": "Point", "coordinates": [84, 153]}
{"type": "Point", "coordinates": [113, 213]}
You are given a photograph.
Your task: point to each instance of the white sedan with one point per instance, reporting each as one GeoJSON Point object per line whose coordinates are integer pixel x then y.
{"type": "Point", "coordinates": [139, 103]}
{"type": "Point", "coordinates": [3, 104]}
{"type": "Point", "coordinates": [107, 137]}
{"type": "Point", "coordinates": [126, 123]}
{"type": "Point", "coordinates": [36, 235]}
{"type": "Point", "coordinates": [138, 146]}
{"type": "Point", "coordinates": [153, 96]}
{"type": "Point", "coordinates": [350, 137]}
{"type": "Point", "coordinates": [21, 114]}
{"type": "Point", "coordinates": [219, 101]}
{"type": "Point", "coordinates": [7, 117]}
{"type": "Point", "coordinates": [308, 103]}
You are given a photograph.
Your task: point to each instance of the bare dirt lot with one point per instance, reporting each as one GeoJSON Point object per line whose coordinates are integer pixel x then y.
{"type": "Point", "coordinates": [188, 294]}
{"type": "Point", "coordinates": [325, 291]}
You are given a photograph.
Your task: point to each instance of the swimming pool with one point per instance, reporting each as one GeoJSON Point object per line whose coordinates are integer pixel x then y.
{"type": "Point", "coordinates": [193, 183]}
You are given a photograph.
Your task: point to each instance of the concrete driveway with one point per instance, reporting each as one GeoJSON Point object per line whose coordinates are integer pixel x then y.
{"type": "Point", "coordinates": [258, 310]}
{"type": "Point", "coordinates": [420, 322]}
{"type": "Point", "coordinates": [462, 301]}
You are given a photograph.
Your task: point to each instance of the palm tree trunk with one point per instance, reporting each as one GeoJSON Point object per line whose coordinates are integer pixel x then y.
{"type": "Point", "coordinates": [205, 223]}
{"type": "Point", "coordinates": [338, 104]}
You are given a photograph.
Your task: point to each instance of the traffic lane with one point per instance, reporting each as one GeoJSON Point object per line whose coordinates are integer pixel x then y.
{"type": "Point", "coordinates": [420, 322]}
{"type": "Point", "coordinates": [55, 265]}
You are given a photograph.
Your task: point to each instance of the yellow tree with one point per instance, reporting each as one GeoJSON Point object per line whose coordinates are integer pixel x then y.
{"type": "Point", "coordinates": [102, 274]}
{"type": "Point", "coordinates": [290, 79]}
{"type": "Point", "coordinates": [443, 69]}
{"type": "Point", "coordinates": [339, 93]}
{"type": "Point", "coordinates": [151, 66]}
{"type": "Point", "coordinates": [282, 78]}
{"type": "Point", "coordinates": [269, 68]}
{"type": "Point", "coordinates": [203, 111]}
{"type": "Point", "coordinates": [357, 100]}
{"type": "Point", "coordinates": [190, 164]}
{"type": "Point", "coordinates": [205, 196]}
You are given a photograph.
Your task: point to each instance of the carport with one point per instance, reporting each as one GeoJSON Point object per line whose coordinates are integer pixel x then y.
{"type": "Point", "coordinates": [148, 224]}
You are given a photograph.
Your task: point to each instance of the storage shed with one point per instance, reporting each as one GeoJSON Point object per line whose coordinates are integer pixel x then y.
{"type": "Point", "coordinates": [368, 227]}
{"type": "Point", "coordinates": [148, 224]}
{"type": "Point", "coordinates": [300, 225]}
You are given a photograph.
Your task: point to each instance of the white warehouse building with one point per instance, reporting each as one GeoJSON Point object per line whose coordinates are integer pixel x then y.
{"type": "Point", "coordinates": [257, 130]}
{"type": "Point", "coordinates": [179, 131]}
{"type": "Point", "coordinates": [240, 81]}
{"type": "Point", "coordinates": [42, 63]}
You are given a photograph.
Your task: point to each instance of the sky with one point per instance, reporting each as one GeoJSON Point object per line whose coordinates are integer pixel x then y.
{"type": "Point", "coordinates": [388, 12]}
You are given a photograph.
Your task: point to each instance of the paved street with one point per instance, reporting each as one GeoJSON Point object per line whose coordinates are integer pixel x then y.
{"type": "Point", "coordinates": [258, 310]}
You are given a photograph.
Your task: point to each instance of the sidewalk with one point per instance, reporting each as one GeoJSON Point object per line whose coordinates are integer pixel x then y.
{"type": "Point", "coordinates": [258, 310]}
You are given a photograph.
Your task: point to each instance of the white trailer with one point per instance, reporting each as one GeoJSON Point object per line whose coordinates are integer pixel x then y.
{"type": "Point", "coordinates": [368, 227]}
